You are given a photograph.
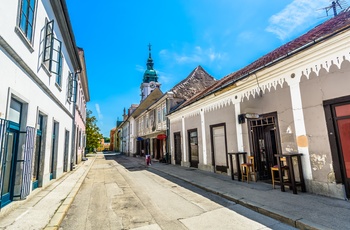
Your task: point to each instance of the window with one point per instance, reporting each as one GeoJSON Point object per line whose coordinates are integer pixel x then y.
{"type": "Point", "coordinates": [71, 88]}
{"type": "Point", "coordinates": [26, 18]}
{"type": "Point", "coordinates": [15, 111]}
{"type": "Point", "coordinates": [58, 75]}
{"type": "Point", "coordinates": [159, 115]}
{"type": "Point", "coordinates": [164, 113]}
{"type": "Point", "coordinates": [52, 57]}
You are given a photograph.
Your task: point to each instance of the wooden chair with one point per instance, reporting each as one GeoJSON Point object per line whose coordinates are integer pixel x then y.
{"type": "Point", "coordinates": [248, 169]}
{"type": "Point", "coordinates": [284, 168]}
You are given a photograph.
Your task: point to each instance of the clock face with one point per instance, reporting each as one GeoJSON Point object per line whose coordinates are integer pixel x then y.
{"type": "Point", "coordinates": [152, 85]}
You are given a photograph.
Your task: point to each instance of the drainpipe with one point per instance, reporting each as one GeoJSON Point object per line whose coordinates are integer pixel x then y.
{"type": "Point", "coordinates": [128, 143]}
{"type": "Point", "coordinates": [74, 95]}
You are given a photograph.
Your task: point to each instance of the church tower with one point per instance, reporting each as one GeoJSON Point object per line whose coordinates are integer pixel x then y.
{"type": "Point", "coordinates": [150, 78]}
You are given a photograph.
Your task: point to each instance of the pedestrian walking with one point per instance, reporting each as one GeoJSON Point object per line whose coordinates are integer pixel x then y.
{"type": "Point", "coordinates": [148, 159]}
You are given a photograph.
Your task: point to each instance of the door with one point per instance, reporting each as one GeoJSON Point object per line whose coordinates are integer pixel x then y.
{"type": "Point", "coordinates": [193, 148]}
{"type": "Point", "coordinates": [8, 166]}
{"type": "Point", "coordinates": [53, 155]}
{"type": "Point", "coordinates": [8, 157]}
{"type": "Point", "coordinates": [338, 124]}
{"type": "Point", "coordinates": [66, 151]}
{"type": "Point", "coordinates": [37, 154]}
{"type": "Point", "coordinates": [177, 146]}
{"type": "Point", "coordinates": [265, 143]}
{"type": "Point", "coordinates": [219, 150]}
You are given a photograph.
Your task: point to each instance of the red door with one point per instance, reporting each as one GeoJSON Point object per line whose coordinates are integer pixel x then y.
{"type": "Point", "coordinates": [342, 120]}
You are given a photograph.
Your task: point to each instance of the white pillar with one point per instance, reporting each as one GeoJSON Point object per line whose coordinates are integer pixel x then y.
{"type": "Point", "coordinates": [184, 140]}
{"type": "Point", "coordinates": [204, 141]}
{"type": "Point", "coordinates": [300, 130]}
{"type": "Point", "coordinates": [239, 133]}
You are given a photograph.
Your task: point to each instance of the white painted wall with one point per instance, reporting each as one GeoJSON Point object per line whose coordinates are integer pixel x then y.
{"type": "Point", "coordinates": [15, 81]}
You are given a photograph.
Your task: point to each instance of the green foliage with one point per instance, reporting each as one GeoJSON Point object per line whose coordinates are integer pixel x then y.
{"type": "Point", "coordinates": [93, 135]}
{"type": "Point", "coordinates": [107, 139]}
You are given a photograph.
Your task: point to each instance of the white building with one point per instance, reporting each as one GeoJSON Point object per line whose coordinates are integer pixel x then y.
{"type": "Point", "coordinates": [39, 63]}
{"type": "Point", "coordinates": [292, 102]}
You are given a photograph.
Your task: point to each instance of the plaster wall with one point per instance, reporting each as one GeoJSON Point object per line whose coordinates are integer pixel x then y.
{"type": "Point", "coordinates": [315, 89]}
{"type": "Point", "coordinates": [221, 115]}
{"type": "Point", "coordinates": [24, 89]}
{"type": "Point", "coordinates": [276, 99]}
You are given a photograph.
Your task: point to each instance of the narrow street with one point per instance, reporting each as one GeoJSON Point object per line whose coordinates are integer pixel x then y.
{"type": "Point", "coordinates": [121, 193]}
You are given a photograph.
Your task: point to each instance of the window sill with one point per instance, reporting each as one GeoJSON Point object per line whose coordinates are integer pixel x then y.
{"type": "Point", "coordinates": [46, 70]}
{"type": "Point", "coordinates": [24, 39]}
{"type": "Point", "coordinates": [58, 86]}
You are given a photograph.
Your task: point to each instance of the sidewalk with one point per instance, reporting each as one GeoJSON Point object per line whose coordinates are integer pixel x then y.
{"type": "Point", "coordinates": [302, 210]}
{"type": "Point", "coordinates": [46, 208]}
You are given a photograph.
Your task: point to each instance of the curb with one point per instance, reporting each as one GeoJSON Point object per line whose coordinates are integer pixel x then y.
{"type": "Point", "coordinates": [62, 210]}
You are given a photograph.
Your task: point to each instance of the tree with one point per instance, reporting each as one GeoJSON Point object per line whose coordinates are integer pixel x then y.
{"type": "Point", "coordinates": [93, 135]}
{"type": "Point", "coordinates": [107, 139]}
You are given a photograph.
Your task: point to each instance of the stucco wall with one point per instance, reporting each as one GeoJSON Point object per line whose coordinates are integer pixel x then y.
{"type": "Point", "coordinates": [274, 100]}
{"type": "Point", "coordinates": [221, 115]}
{"type": "Point", "coordinates": [314, 90]}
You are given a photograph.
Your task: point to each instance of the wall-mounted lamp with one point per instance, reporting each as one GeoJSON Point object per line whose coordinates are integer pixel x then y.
{"type": "Point", "coordinates": [242, 117]}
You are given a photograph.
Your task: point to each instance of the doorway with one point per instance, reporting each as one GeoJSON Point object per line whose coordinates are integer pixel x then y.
{"type": "Point", "coordinates": [9, 141]}
{"type": "Point", "coordinates": [66, 151]}
{"type": "Point", "coordinates": [38, 150]}
{"type": "Point", "coordinates": [265, 143]}
{"type": "Point", "coordinates": [338, 123]}
{"type": "Point", "coordinates": [9, 164]}
{"type": "Point", "coordinates": [177, 146]}
{"type": "Point", "coordinates": [219, 148]}
{"type": "Point", "coordinates": [193, 148]}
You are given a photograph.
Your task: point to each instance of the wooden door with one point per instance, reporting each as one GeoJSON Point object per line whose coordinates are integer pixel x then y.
{"type": "Point", "coordinates": [219, 150]}
{"type": "Point", "coordinates": [193, 148]}
{"type": "Point", "coordinates": [338, 124]}
{"type": "Point", "coordinates": [177, 146]}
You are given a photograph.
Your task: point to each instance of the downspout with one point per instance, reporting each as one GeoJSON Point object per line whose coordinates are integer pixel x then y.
{"type": "Point", "coordinates": [129, 139]}
{"type": "Point", "coordinates": [75, 88]}
{"type": "Point", "coordinates": [167, 142]}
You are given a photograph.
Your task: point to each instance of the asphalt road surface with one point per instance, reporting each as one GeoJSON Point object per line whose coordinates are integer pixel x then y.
{"type": "Point", "coordinates": [120, 192]}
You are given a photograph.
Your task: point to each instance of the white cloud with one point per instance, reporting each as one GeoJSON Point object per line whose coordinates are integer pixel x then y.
{"type": "Point", "coordinates": [164, 78]}
{"type": "Point", "coordinates": [195, 55]}
{"type": "Point", "coordinates": [140, 68]}
{"type": "Point", "coordinates": [99, 114]}
{"type": "Point", "coordinates": [163, 52]}
{"type": "Point", "coordinates": [298, 15]}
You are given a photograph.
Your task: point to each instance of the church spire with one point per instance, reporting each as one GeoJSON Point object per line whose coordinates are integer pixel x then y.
{"type": "Point", "coordinates": [149, 60]}
{"type": "Point", "coordinates": [150, 78]}
{"type": "Point", "coordinates": [150, 74]}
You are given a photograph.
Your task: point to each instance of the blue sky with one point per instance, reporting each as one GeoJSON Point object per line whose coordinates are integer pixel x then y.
{"type": "Point", "coordinates": [220, 35]}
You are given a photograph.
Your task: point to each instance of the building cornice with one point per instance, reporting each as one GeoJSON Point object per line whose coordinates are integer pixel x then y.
{"type": "Point", "coordinates": [61, 13]}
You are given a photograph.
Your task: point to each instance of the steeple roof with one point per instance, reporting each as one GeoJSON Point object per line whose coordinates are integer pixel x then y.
{"type": "Point", "coordinates": [150, 74]}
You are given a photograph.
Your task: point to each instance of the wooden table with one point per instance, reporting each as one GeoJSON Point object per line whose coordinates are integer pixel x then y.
{"type": "Point", "coordinates": [291, 180]}
{"type": "Point", "coordinates": [237, 154]}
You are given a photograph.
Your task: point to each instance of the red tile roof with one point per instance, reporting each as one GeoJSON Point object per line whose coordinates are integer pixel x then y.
{"type": "Point", "coordinates": [319, 33]}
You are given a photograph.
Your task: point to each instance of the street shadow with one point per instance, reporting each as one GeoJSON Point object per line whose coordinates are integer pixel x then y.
{"type": "Point", "coordinates": [268, 222]}
{"type": "Point", "coordinates": [139, 164]}
{"type": "Point", "coordinates": [134, 164]}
